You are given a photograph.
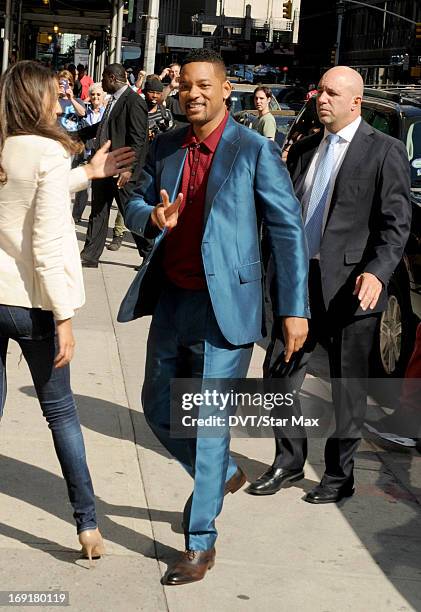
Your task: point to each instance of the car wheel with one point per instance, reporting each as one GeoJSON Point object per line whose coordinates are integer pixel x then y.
{"type": "Point", "coordinates": [390, 335]}
{"type": "Point", "coordinates": [395, 335]}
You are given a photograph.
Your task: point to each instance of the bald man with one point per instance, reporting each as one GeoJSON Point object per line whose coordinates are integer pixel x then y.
{"type": "Point", "coordinates": [354, 188]}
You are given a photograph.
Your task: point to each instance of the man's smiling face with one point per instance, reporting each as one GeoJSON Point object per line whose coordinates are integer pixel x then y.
{"type": "Point", "coordinates": [203, 91]}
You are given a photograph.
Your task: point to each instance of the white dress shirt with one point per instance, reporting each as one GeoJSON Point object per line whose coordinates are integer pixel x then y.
{"type": "Point", "coordinates": [340, 148]}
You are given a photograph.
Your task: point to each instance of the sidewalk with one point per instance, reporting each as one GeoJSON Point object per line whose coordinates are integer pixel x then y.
{"type": "Point", "coordinates": [274, 553]}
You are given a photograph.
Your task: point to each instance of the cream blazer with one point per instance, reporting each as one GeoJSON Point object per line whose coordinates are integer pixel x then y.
{"type": "Point", "coordinates": [39, 257]}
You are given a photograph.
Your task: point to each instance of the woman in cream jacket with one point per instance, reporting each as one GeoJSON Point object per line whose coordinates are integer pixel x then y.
{"type": "Point", "coordinates": [41, 284]}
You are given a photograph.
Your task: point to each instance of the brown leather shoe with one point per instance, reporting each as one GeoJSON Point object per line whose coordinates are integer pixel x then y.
{"type": "Point", "coordinates": [231, 486]}
{"type": "Point", "coordinates": [235, 482]}
{"type": "Point", "coordinates": [191, 566]}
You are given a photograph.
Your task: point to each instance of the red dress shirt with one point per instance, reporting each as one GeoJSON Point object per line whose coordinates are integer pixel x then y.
{"type": "Point", "coordinates": [182, 260]}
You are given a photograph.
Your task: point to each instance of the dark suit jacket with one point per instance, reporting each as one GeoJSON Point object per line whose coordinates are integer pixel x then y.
{"type": "Point", "coordinates": [369, 217]}
{"type": "Point", "coordinates": [127, 127]}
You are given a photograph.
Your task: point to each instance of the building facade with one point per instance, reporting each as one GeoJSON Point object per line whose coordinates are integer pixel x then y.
{"type": "Point", "coordinates": [381, 46]}
{"type": "Point", "coordinates": [251, 31]}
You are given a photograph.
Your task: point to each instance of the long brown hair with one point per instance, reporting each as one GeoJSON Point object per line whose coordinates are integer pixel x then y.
{"type": "Point", "coordinates": [28, 96]}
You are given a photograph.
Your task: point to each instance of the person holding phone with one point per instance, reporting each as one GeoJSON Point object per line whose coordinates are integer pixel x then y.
{"type": "Point", "coordinates": [72, 109]}
{"type": "Point", "coordinates": [41, 283]}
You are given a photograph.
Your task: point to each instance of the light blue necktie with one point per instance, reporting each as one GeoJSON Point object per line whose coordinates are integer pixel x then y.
{"type": "Point", "coordinates": [318, 198]}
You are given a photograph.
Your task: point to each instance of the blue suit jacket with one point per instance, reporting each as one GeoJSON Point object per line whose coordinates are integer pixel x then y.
{"type": "Point", "coordinates": [247, 183]}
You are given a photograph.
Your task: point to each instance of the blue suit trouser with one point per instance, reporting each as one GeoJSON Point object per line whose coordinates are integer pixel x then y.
{"type": "Point", "coordinates": [185, 342]}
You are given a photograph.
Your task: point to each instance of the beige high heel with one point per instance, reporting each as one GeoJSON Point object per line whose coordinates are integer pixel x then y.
{"type": "Point", "coordinates": [92, 545]}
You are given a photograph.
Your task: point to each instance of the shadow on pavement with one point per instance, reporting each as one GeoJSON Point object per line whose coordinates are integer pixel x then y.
{"type": "Point", "coordinates": [48, 492]}
{"type": "Point", "coordinates": [383, 513]}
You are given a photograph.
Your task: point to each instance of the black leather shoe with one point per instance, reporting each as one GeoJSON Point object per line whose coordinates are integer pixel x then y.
{"type": "Point", "coordinates": [327, 495]}
{"type": "Point", "coordinates": [191, 566]}
{"type": "Point", "coordinates": [273, 480]}
{"type": "Point", "coordinates": [86, 263]}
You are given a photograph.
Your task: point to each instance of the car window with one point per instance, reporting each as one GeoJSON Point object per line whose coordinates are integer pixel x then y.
{"type": "Point", "coordinates": [382, 122]}
{"type": "Point", "coordinates": [283, 123]}
{"type": "Point", "coordinates": [306, 123]}
{"type": "Point", "coordinates": [366, 113]}
{"type": "Point", "coordinates": [244, 100]}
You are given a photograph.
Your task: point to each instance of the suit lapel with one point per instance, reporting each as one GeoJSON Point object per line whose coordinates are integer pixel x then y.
{"type": "Point", "coordinates": [173, 165]}
{"type": "Point", "coordinates": [116, 110]}
{"type": "Point", "coordinates": [353, 161]}
{"type": "Point", "coordinates": [222, 164]}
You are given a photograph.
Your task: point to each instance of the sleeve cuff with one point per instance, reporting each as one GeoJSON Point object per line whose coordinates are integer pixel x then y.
{"type": "Point", "coordinates": [151, 231]}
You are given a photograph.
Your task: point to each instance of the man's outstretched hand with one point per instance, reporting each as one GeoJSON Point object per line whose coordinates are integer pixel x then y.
{"type": "Point", "coordinates": [165, 214]}
{"type": "Point", "coordinates": [105, 163]}
{"type": "Point", "coordinates": [295, 330]}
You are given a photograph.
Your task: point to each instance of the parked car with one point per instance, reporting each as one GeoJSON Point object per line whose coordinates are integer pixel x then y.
{"type": "Point", "coordinates": [283, 118]}
{"type": "Point", "coordinates": [397, 113]}
{"type": "Point", "coordinates": [289, 96]}
{"type": "Point", "coordinates": [242, 72]}
{"type": "Point", "coordinates": [242, 98]}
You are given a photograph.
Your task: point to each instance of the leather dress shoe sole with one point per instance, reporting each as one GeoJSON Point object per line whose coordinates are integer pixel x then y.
{"type": "Point", "coordinates": [329, 500]}
{"type": "Point", "coordinates": [89, 264]}
{"type": "Point", "coordinates": [285, 481]}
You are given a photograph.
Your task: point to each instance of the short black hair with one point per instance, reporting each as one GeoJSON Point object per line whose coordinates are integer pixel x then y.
{"type": "Point", "coordinates": [117, 70]}
{"type": "Point", "coordinates": [205, 55]}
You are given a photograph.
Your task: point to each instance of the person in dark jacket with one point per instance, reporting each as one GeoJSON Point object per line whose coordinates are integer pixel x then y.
{"type": "Point", "coordinates": [125, 123]}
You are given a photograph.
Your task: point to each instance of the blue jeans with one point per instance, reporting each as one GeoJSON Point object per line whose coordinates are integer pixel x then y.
{"type": "Point", "coordinates": [34, 330]}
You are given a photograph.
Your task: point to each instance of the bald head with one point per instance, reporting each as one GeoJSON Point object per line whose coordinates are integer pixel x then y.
{"type": "Point", "coordinates": [339, 99]}
{"type": "Point", "coordinates": [349, 77]}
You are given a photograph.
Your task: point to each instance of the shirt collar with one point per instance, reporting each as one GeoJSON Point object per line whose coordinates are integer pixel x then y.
{"type": "Point", "coordinates": [119, 92]}
{"type": "Point", "coordinates": [348, 132]}
{"type": "Point", "coordinates": [211, 142]}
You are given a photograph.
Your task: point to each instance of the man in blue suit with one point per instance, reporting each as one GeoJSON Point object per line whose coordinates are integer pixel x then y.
{"type": "Point", "coordinates": [215, 182]}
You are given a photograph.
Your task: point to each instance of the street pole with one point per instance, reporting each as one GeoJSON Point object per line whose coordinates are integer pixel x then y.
{"type": "Point", "coordinates": [151, 37]}
{"type": "Point", "coordinates": [7, 33]}
{"type": "Point", "coordinates": [19, 32]}
{"type": "Point", "coordinates": [120, 21]}
{"type": "Point", "coordinates": [340, 13]}
{"type": "Point", "coordinates": [113, 35]}
{"type": "Point", "coordinates": [270, 20]}
{"type": "Point", "coordinates": [101, 59]}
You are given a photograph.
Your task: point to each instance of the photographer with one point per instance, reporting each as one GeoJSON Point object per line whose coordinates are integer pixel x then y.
{"type": "Point", "coordinates": [72, 109]}
{"type": "Point", "coordinates": [170, 95]}
{"type": "Point", "coordinates": [159, 118]}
